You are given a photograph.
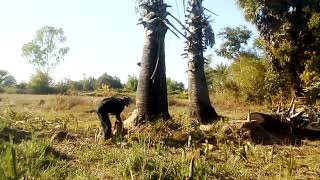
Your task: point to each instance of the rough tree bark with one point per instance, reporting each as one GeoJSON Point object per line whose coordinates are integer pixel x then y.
{"type": "Point", "coordinates": [199, 102]}
{"type": "Point", "coordinates": [151, 94]}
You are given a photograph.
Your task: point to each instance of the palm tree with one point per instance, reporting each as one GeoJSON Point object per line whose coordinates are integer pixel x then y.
{"type": "Point", "coordinates": [200, 35]}
{"type": "Point", "coordinates": [151, 95]}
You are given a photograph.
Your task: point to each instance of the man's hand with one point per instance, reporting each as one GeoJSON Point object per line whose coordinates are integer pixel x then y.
{"type": "Point", "coordinates": [118, 126]}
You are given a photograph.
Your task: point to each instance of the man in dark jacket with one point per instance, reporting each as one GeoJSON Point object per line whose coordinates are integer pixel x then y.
{"type": "Point", "coordinates": [114, 106]}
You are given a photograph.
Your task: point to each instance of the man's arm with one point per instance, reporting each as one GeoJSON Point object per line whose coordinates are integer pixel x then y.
{"type": "Point", "coordinates": [118, 116]}
{"type": "Point", "coordinates": [118, 123]}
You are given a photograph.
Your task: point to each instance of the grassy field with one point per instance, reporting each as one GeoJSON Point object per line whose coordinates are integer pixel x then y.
{"type": "Point", "coordinates": [57, 137]}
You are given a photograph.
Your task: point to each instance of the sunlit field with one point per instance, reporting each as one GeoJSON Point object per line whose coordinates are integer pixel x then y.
{"type": "Point", "coordinates": [58, 137]}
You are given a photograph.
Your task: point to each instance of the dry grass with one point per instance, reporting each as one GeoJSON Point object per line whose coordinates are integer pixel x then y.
{"type": "Point", "coordinates": [62, 102]}
{"type": "Point", "coordinates": [158, 150]}
{"type": "Point", "coordinates": [177, 102]}
{"type": "Point", "coordinates": [233, 108]}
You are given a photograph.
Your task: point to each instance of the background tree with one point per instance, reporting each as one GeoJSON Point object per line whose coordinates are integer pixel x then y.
{"type": "Point", "coordinates": [45, 52]}
{"type": "Point", "coordinates": [40, 83]}
{"type": "Point", "coordinates": [174, 86]}
{"type": "Point", "coordinates": [132, 83]}
{"type": "Point", "coordinates": [22, 87]}
{"type": "Point", "coordinates": [112, 82]}
{"type": "Point", "coordinates": [290, 29]}
{"type": "Point", "coordinates": [200, 35]}
{"type": "Point", "coordinates": [77, 85]}
{"type": "Point", "coordinates": [252, 79]}
{"type": "Point", "coordinates": [217, 77]}
{"type": "Point", "coordinates": [248, 74]}
{"type": "Point", "coordinates": [47, 48]}
{"type": "Point", "coordinates": [64, 86]}
{"type": "Point", "coordinates": [88, 84]}
{"type": "Point", "coordinates": [6, 79]}
{"type": "Point", "coordinates": [234, 40]}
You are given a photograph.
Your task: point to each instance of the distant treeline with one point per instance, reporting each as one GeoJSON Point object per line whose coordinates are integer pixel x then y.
{"type": "Point", "coordinates": [40, 83]}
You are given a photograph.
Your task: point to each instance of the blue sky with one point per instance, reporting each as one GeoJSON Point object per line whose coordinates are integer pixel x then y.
{"type": "Point", "coordinates": [102, 35]}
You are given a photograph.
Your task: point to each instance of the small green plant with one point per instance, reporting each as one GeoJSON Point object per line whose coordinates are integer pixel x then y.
{"type": "Point", "coordinates": [9, 165]}
{"type": "Point", "coordinates": [3, 123]}
{"type": "Point", "coordinates": [291, 163]}
{"type": "Point", "coordinates": [104, 91]}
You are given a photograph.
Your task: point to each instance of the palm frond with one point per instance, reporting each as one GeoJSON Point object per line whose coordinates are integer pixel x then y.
{"type": "Point", "coordinates": [169, 23]}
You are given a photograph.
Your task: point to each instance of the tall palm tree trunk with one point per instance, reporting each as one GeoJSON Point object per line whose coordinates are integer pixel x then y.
{"type": "Point", "coordinates": [152, 99]}
{"type": "Point", "coordinates": [199, 101]}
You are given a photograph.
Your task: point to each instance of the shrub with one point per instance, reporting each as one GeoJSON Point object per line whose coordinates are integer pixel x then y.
{"type": "Point", "coordinates": [105, 91]}
{"type": "Point", "coordinates": [132, 83]}
{"type": "Point", "coordinates": [248, 73]}
{"type": "Point", "coordinates": [312, 93]}
{"type": "Point", "coordinates": [174, 87]}
{"type": "Point", "coordinates": [40, 83]}
{"type": "Point", "coordinates": [275, 85]}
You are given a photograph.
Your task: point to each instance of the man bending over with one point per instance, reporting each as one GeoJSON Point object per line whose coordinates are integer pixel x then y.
{"type": "Point", "coordinates": [114, 106]}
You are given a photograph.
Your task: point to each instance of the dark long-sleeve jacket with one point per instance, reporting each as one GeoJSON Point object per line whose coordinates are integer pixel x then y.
{"type": "Point", "coordinates": [111, 105]}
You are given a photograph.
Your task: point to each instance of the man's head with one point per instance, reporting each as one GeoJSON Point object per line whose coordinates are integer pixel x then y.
{"type": "Point", "coordinates": [126, 101]}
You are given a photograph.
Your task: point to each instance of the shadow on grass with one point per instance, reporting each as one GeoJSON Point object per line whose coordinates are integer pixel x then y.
{"type": "Point", "coordinates": [57, 154]}
{"type": "Point", "coordinates": [17, 135]}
